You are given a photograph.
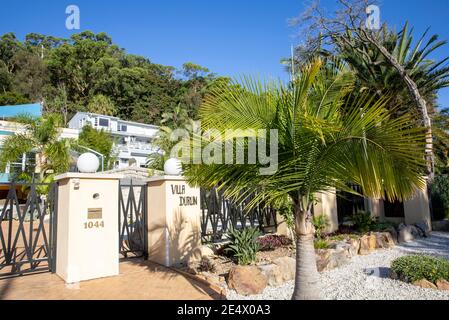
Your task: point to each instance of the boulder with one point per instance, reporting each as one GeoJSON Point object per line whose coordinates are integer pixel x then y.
{"type": "Point", "coordinates": [406, 234]}
{"type": "Point", "coordinates": [368, 244]}
{"type": "Point", "coordinates": [384, 240]}
{"type": "Point", "coordinates": [443, 284]}
{"type": "Point", "coordinates": [199, 253]}
{"type": "Point", "coordinates": [423, 283]}
{"type": "Point", "coordinates": [394, 234]}
{"type": "Point", "coordinates": [338, 258]}
{"type": "Point", "coordinates": [273, 274]}
{"type": "Point", "coordinates": [423, 226]}
{"type": "Point", "coordinates": [247, 280]}
{"type": "Point", "coordinates": [287, 267]}
{"type": "Point", "coordinates": [417, 233]}
{"type": "Point", "coordinates": [322, 259]}
{"type": "Point", "coordinates": [354, 247]}
{"type": "Point", "coordinates": [331, 258]}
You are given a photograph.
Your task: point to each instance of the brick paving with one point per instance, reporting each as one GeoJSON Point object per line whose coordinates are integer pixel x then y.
{"type": "Point", "coordinates": [138, 280]}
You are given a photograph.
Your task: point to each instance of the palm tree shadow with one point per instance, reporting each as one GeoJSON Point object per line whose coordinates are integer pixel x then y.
{"type": "Point", "coordinates": [178, 240]}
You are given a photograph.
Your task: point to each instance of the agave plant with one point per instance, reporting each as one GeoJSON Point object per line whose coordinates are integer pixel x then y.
{"type": "Point", "coordinates": [326, 138]}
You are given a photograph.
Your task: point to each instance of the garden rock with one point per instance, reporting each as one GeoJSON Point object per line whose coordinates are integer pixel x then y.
{"type": "Point", "coordinates": [443, 284]}
{"type": "Point", "coordinates": [338, 258]}
{"type": "Point", "coordinates": [322, 259]}
{"type": "Point", "coordinates": [331, 258]}
{"type": "Point", "coordinates": [406, 234]}
{"type": "Point", "coordinates": [273, 274]}
{"type": "Point", "coordinates": [394, 234]}
{"type": "Point", "coordinates": [354, 247]}
{"type": "Point", "coordinates": [423, 227]}
{"type": "Point", "coordinates": [287, 267]}
{"type": "Point", "coordinates": [368, 244]}
{"type": "Point", "coordinates": [199, 253]}
{"type": "Point", "coordinates": [384, 240]}
{"type": "Point", "coordinates": [423, 283]}
{"type": "Point", "coordinates": [247, 280]}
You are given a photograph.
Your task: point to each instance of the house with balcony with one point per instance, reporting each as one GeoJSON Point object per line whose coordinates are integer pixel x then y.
{"type": "Point", "coordinates": [132, 140]}
{"type": "Point", "coordinates": [27, 162]}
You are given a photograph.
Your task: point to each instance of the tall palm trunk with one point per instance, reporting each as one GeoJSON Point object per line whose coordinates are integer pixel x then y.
{"type": "Point", "coordinates": [416, 96]}
{"type": "Point", "coordinates": [307, 277]}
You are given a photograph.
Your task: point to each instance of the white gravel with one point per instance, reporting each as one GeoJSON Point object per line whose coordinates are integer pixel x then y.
{"type": "Point", "coordinates": [350, 282]}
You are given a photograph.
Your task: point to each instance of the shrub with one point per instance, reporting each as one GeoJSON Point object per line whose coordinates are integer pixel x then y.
{"type": "Point", "coordinates": [320, 222]}
{"type": "Point", "coordinates": [272, 241]}
{"type": "Point", "coordinates": [243, 245]}
{"type": "Point", "coordinates": [381, 226]}
{"type": "Point", "coordinates": [417, 267]}
{"type": "Point", "coordinates": [362, 221]}
{"type": "Point", "coordinates": [440, 197]}
{"type": "Point", "coordinates": [321, 244]}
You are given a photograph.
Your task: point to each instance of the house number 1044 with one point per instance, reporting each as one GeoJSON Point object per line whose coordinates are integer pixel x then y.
{"type": "Point", "coordinates": [91, 224]}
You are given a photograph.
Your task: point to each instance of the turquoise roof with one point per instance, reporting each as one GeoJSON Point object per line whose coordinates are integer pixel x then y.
{"type": "Point", "coordinates": [34, 110]}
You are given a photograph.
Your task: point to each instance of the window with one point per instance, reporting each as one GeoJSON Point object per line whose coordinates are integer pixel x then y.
{"type": "Point", "coordinates": [394, 209]}
{"type": "Point", "coordinates": [104, 122]}
{"type": "Point", "coordinates": [122, 127]}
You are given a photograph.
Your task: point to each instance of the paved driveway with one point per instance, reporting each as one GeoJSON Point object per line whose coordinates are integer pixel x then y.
{"type": "Point", "coordinates": [138, 280]}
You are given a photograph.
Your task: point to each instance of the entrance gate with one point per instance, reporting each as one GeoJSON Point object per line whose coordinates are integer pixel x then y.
{"type": "Point", "coordinates": [27, 228]}
{"type": "Point", "coordinates": [133, 238]}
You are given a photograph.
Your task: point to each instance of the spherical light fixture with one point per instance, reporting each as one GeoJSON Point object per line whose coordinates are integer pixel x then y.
{"type": "Point", "coordinates": [88, 163]}
{"type": "Point", "coordinates": [173, 167]}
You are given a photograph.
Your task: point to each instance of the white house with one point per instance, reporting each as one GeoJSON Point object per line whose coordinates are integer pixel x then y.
{"type": "Point", "coordinates": [132, 140]}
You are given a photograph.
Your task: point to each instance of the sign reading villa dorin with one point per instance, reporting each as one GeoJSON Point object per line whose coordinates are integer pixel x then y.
{"type": "Point", "coordinates": [184, 200]}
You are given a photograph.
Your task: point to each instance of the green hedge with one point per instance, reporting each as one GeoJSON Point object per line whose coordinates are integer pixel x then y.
{"type": "Point", "coordinates": [417, 267]}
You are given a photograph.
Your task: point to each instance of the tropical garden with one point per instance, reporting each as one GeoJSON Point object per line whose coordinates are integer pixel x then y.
{"type": "Point", "coordinates": [361, 108]}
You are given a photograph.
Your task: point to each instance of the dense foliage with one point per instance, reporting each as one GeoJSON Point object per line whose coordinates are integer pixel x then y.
{"type": "Point", "coordinates": [90, 72]}
{"type": "Point", "coordinates": [98, 140]}
{"type": "Point", "coordinates": [417, 267]}
{"type": "Point", "coordinates": [321, 223]}
{"type": "Point", "coordinates": [440, 197]}
{"type": "Point", "coordinates": [243, 245]}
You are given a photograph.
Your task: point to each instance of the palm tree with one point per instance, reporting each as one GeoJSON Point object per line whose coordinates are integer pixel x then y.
{"type": "Point", "coordinates": [390, 61]}
{"type": "Point", "coordinates": [322, 144]}
{"type": "Point", "coordinates": [39, 136]}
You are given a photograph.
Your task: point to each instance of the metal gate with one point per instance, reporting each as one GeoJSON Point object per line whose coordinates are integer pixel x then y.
{"type": "Point", "coordinates": [133, 237]}
{"type": "Point", "coordinates": [27, 228]}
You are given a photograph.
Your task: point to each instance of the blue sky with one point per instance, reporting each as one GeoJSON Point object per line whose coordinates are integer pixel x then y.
{"type": "Point", "coordinates": [230, 37]}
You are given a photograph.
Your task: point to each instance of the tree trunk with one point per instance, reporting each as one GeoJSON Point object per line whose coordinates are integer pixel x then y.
{"type": "Point", "coordinates": [418, 99]}
{"type": "Point", "coordinates": [307, 277]}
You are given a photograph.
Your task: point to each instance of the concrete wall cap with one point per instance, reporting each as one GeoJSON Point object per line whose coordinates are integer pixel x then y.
{"type": "Point", "coordinates": [77, 175]}
{"type": "Point", "coordinates": [167, 178]}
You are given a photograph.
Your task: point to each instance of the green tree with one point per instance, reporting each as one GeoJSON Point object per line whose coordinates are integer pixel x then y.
{"type": "Point", "coordinates": [102, 105]}
{"type": "Point", "coordinates": [320, 147]}
{"type": "Point", "coordinates": [42, 137]}
{"type": "Point", "coordinates": [100, 141]}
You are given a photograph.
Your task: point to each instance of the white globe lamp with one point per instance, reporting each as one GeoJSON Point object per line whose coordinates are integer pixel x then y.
{"type": "Point", "coordinates": [173, 167]}
{"type": "Point", "coordinates": [88, 163]}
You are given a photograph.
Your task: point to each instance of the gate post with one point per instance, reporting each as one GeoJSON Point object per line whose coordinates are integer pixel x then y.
{"type": "Point", "coordinates": [87, 226]}
{"type": "Point", "coordinates": [174, 227]}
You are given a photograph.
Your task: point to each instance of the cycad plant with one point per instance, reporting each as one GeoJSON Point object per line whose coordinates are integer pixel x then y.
{"type": "Point", "coordinates": [326, 138]}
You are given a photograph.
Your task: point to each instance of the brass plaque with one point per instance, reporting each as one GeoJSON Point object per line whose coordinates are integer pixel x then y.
{"type": "Point", "coordinates": [94, 213]}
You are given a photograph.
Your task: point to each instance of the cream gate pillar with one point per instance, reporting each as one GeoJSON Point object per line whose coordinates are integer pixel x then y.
{"type": "Point", "coordinates": [87, 226]}
{"type": "Point", "coordinates": [174, 227]}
